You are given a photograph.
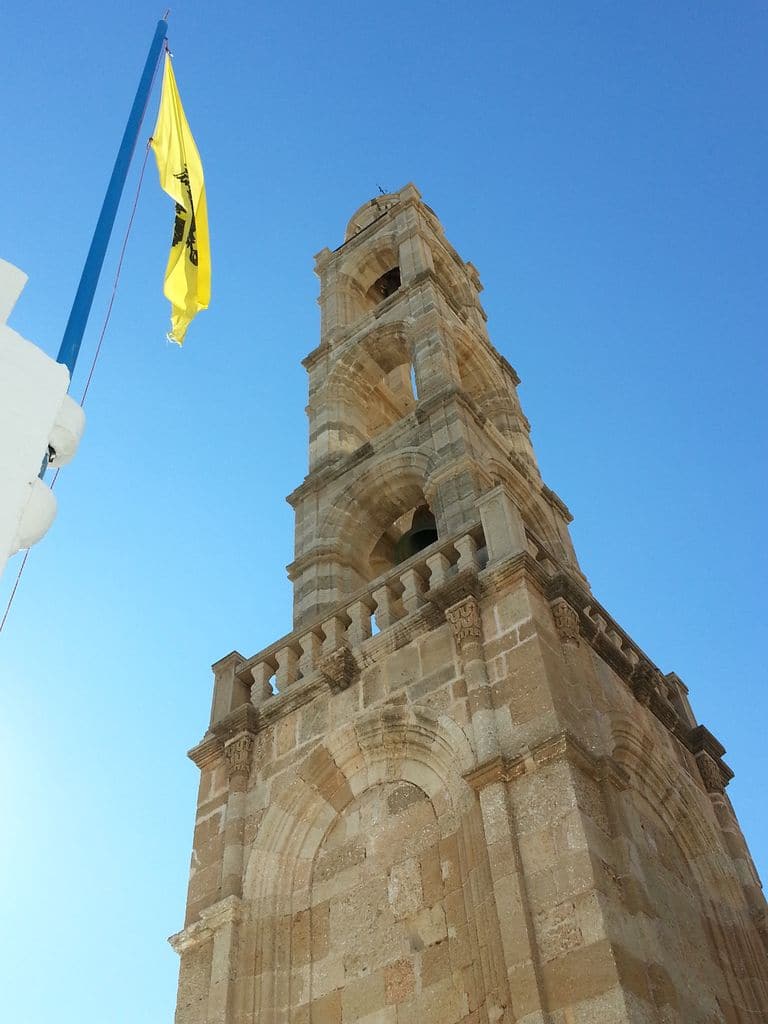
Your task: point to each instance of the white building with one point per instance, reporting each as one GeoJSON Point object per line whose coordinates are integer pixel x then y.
{"type": "Point", "coordinates": [36, 416]}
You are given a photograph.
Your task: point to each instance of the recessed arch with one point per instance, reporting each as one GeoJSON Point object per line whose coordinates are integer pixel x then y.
{"type": "Point", "coordinates": [664, 798]}
{"type": "Point", "coordinates": [370, 387]}
{"type": "Point", "coordinates": [395, 751]}
{"type": "Point", "coordinates": [359, 273]}
{"type": "Point", "coordinates": [361, 513]}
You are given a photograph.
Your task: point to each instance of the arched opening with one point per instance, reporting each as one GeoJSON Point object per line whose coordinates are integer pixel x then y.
{"type": "Point", "coordinates": [409, 534]}
{"type": "Point", "coordinates": [369, 277]}
{"type": "Point", "coordinates": [369, 390]}
{"type": "Point", "coordinates": [391, 398]}
{"type": "Point", "coordinates": [384, 286]}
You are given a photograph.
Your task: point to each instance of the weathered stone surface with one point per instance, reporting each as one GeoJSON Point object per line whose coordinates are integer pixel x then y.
{"type": "Point", "coordinates": [474, 799]}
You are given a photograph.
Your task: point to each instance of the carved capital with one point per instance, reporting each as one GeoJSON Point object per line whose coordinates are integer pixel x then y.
{"type": "Point", "coordinates": [711, 773]}
{"type": "Point", "coordinates": [566, 621]}
{"type": "Point", "coordinates": [339, 668]}
{"type": "Point", "coordinates": [643, 682]}
{"type": "Point", "coordinates": [760, 918]}
{"type": "Point", "coordinates": [238, 753]}
{"type": "Point", "coordinates": [464, 620]}
{"type": "Point", "coordinates": [662, 707]}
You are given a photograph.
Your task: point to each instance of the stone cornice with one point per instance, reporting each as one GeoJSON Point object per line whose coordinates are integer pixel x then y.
{"type": "Point", "coordinates": [326, 553]}
{"type": "Point", "coordinates": [451, 392]}
{"type": "Point", "coordinates": [557, 503]}
{"type": "Point", "coordinates": [312, 358]}
{"type": "Point", "coordinates": [559, 747]}
{"type": "Point", "coordinates": [630, 663]}
{"type": "Point", "coordinates": [208, 752]}
{"type": "Point", "coordinates": [228, 911]}
{"type": "Point", "coordinates": [294, 697]}
{"type": "Point", "coordinates": [244, 719]}
{"type": "Point", "coordinates": [504, 575]}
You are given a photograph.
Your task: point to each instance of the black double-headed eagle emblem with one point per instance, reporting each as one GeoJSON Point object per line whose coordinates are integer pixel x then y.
{"type": "Point", "coordinates": [180, 223]}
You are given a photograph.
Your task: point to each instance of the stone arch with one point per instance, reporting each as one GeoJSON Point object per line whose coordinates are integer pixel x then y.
{"type": "Point", "coordinates": [369, 387]}
{"type": "Point", "coordinates": [360, 270]}
{"type": "Point", "coordinates": [389, 486]}
{"type": "Point", "coordinates": [402, 746]}
{"type": "Point", "coordinates": [688, 826]}
{"type": "Point", "coordinates": [637, 750]}
{"type": "Point", "coordinates": [433, 753]}
{"type": "Point", "coordinates": [453, 278]}
{"type": "Point", "coordinates": [486, 384]}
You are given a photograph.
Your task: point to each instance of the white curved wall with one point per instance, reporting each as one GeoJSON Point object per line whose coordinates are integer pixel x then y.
{"type": "Point", "coordinates": [35, 411]}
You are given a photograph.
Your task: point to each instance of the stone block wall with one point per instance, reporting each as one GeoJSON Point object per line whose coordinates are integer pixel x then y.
{"type": "Point", "coordinates": [485, 825]}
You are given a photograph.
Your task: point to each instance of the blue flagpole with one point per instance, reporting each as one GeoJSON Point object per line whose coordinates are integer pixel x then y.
{"type": "Point", "coordinates": [81, 307]}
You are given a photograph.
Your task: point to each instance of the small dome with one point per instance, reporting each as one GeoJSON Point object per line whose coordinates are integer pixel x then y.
{"type": "Point", "coordinates": [369, 212]}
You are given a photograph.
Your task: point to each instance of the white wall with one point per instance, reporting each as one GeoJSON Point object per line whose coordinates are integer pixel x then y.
{"type": "Point", "coordinates": [35, 412]}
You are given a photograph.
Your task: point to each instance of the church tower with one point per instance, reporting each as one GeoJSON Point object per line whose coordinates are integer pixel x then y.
{"type": "Point", "coordinates": [457, 790]}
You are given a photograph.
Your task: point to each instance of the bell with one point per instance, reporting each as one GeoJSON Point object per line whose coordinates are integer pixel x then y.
{"type": "Point", "coordinates": [422, 533]}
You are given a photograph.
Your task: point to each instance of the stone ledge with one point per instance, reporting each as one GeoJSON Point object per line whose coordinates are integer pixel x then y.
{"type": "Point", "coordinates": [559, 747]}
{"type": "Point", "coordinates": [642, 677]}
{"type": "Point", "coordinates": [230, 910]}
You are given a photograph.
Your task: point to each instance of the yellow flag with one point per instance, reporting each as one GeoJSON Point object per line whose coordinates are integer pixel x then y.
{"type": "Point", "coordinates": [188, 274]}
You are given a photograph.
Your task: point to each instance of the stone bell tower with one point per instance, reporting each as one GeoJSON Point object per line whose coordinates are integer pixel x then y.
{"type": "Point", "coordinates": [457, 790]}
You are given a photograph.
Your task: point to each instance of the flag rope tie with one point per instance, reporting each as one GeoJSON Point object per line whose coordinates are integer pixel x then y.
{"type": "Point", "coordinates": [95, 356]}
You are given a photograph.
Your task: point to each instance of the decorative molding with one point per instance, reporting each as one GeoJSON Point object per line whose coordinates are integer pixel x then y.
{"type": "Point", "coordinates": [708, 751]}
{"type": "Point", "coordinates": [643, 682]}
{"type": "Point", "coordinates": [207, 753]}
{"type": "Point", "coordinates": [244, 718]}
{"type": "Point", "coordinates": [700, 738]}
{"type": "Point", "coordinates": [566, 621]}
{"type": "Point", "coordinates": [193, 935]}
{"type": "Point", "coordinates": [488, 773]}
{"type": "Point", "coordinates": [230, 910]}
{"type": "Point", "coordinates": [759, 917]}
{"type": "Point", "coordinates": [663, 709]}
{"type": "Point", "coordinates": [463, 585]}
{"type": "Point", "coordinates": [711, 774]}
{"type": "Point", "coordinates": [504, 575]}
{"type": "Point", "coordinates": [557, 503]}
{"type": "Point", "coordinates": [464, 620]}
{"type": "Point", "coordinates": [559, 747]}
{"type": "Point", "coordinates": [238, 753]}
{"type": "Point", "coordinates": [339, 668]}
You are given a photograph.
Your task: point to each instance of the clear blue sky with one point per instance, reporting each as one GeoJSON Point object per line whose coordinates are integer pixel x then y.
{"type": "Point", "coordinates": [604, 166]}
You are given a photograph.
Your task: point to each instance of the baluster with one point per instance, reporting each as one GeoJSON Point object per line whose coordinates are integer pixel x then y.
{"type": "Point", "coordinates": [413, 590]}
{"type": "Point", "coordinates": [261, 689]}
{"type": "Point", "coordinates": [467, 548]}
{"type": "Point", "coordinates": [360, 618]}
{"type": "Point", "coordinates": [385, 611]}
{"type": "Point", "coordinates": [333, 630]}
{"type": "Point", "coordinates": [438, 566]}
{"type": "Point", "coordinates": [287, 667]}
{"type": "Point", "coordinates": [310, 652]}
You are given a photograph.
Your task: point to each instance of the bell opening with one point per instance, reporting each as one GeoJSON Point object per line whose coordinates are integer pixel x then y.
{"type": "Point", "coordinates": [411, 533]}
{"type": "Point", "coordinates": [422, 533]}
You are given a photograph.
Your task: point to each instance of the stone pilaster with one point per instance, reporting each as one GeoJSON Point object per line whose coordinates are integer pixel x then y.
{"type": "Point", "coordinates": [238, 754]}
{"type": "Point", "coordinates": [466, 626]}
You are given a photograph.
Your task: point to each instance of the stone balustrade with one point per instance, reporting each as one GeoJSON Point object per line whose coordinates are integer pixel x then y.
{"type": "Point", "coordinates": [391, 597]}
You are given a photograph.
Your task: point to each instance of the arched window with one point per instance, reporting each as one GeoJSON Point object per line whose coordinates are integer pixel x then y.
{"type": "Point", "coordinates": [409, 534]}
